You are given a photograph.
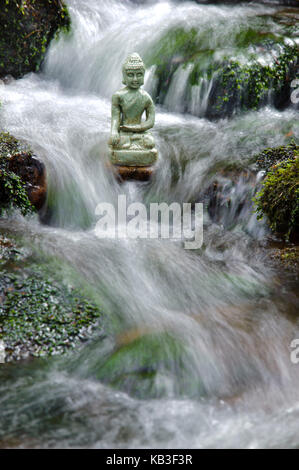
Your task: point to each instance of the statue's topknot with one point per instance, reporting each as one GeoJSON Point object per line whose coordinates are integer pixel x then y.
{"type": "Point", "coordinates": [133, 61]}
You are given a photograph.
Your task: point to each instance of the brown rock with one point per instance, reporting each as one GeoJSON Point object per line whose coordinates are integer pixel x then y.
{"type": "Point", "coordinates": [33, 173]}
{"type": "Point", "coordinates": [125, 173]}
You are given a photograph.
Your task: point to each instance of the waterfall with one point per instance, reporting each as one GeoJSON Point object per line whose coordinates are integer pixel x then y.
{"type": "Point", "coordinates": [220, 314]}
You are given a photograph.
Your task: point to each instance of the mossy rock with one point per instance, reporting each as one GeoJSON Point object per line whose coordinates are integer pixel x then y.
{"type": "Point", "coordinates": [278, 199]}
{"type": "Point", "coordinates": [241, 87]}
{"type": "Point", "coordinates": [27, 28]}
{"type": "Point", "coordinates": [271, 156]}
{"type": "Point", "coordinates": [151, 366]}
{"type": "Point", "coordinates": [40, 313]}
{"type": "Point", "coordinates": [23, 182]}
{"type": "Point", "coordinates": [8, 145]}
{"type": "Point", "coordinates": [176, 47]}
{"type": "Point", "coordinates": [238, 84]}
{"type": "Point", "coordinates": [13, 192]}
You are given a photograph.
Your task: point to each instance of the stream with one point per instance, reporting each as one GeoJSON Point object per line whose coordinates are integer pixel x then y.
{"type": "Point", "coordinates": [221, 317]}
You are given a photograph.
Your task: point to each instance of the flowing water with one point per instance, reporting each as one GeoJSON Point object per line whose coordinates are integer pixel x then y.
{"type": "Point", "coordinates": [222, 315]}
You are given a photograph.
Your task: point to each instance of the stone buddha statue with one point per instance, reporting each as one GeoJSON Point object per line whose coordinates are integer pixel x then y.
{"type": "Point", "coordinates": [130, 142]}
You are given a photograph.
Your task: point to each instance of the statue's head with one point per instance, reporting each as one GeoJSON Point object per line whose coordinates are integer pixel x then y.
{"type": "Point", "coordinates": [133, 71]}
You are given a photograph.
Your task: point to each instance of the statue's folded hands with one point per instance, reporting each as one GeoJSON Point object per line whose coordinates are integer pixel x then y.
{"type": "Point", "coordinates": [132, 128]}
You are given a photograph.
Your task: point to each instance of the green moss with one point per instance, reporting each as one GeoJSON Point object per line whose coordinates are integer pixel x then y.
{"type": "Point", "coordinates": [247, 87]}
{"type": "Point", "coordinates": [177, 42]}
{"type": "Point", "coordinates": [175, 47]}
{"type": "Point", "coordinates": [279, 198]}
{"type": "Point", "coordinates": [12, 190]}
{"type": "Point", "coordinates": [45, 308]}
{"type": "Point", "coordinates": [13, 193]}
{"type": "Point", "coordinates": [252, 36]}
{"type": "Point", "coordinates": [27, 28]}
{"type": "Point", "coordinates": [40, 314]}
{"type": "Point", "coordinates": [138, 368]}
{"type": "Point", "coordinates": [238, 84]}
{"type": "Point", "coordinates": [8, 145]}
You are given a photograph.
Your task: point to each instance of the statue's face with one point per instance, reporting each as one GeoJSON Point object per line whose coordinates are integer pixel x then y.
{"type": "Point", "coordinates": [133, 78]}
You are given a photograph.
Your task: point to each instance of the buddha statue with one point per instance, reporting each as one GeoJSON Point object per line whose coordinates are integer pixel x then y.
{"type": "Point", "coordinates": [130, 143]}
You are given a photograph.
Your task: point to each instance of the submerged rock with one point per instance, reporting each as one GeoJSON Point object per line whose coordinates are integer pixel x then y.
{"type": "Point", "coordinates": [150, 365]}
{"type": "Point", "coordinates": [225, 199]}
{"type": "Point", "coordinates": [26, 31]}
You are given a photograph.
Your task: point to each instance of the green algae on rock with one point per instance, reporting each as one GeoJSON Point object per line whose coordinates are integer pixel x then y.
{"type": "Point", "coordinates": [22, 177]}
{"type": "Point", "coordinates": [12, 189]}
{"type": "Point", "coordinates": [27, 28]}
{"type": "Point", "coordinates": [241, 72]}
{"type": "Point", "coordinates": [243, 87]}
{"type": "Point", "coordinates": [40, 315]}
{"type": "Point", "coordinates": [145, 367]}
{"type": "Point", "coordinates": [278, 199]}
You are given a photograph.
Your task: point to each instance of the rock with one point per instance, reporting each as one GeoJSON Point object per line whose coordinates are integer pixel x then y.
{"type": "Point", "coordinates": [278, 198]}
{"type": "Point", "coordinates": [125, 173]}
{"type": "Point", "coordinates": [271, 156]}
{"type": "Point", "coordinates": [222, 189]}
{"type": "Point", "coordinates": [33, 174]}
{"type": "Point", "coordinates": [287, 257]}
{"type": "Point", "coordinates": [150, 364]}
{"type": "Point", "coordinates": [134, 173]}
{"type": "Point", "coordinates": [41, 314]}
{"type": "Point", "coordinates": [22, 176]}
{"type": "Point", "coordinates": [220, 84]}
{"type": "Point", "coordinates": [26, 30]}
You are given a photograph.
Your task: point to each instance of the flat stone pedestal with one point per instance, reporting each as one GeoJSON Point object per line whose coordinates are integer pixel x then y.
{"type": "Point", "coordinates": [132, 157]}
{"type": "Point", "coordinates": [127, 173]}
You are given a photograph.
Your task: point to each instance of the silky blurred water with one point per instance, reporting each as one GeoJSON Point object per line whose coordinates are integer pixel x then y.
{"type": "Point", "coordinates": [225, 303]}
